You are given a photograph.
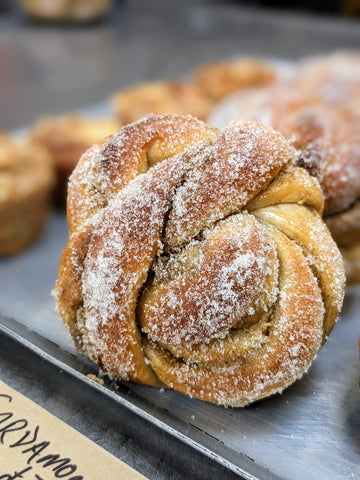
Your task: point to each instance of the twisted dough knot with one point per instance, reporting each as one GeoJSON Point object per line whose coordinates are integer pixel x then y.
{"type": "Point", "coordinates": [198, 260]}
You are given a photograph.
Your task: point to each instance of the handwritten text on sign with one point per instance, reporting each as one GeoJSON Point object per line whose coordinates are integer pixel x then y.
{"type": "Point", "coordinates": [33, 442]}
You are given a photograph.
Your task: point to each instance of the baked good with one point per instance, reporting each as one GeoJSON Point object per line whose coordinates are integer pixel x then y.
{"type": "Point", "coordinates": [333, 79]}
{"type": "Point", "coordinates": [198, 260]}
{"type": "Point", "coordinates": [345, 229]}
{"type": "Point", "coordinates": [327, 139]}
{"type": "Point", "coordinates": [66, 137]}
{"type": "Point", "coordinates": [197, 97]}
{"type": "Point", "coordinates": [65, 11]}
{"type": "Point", "coordinates": [171, 97]}
{"type": "Point", "coordinates": [26, 183]}
{"type": "Point", "coordinates": [219, 79]}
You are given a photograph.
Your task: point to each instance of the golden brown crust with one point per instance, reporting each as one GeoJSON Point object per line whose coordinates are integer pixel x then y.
{"type": "Point", "coordinates": [26, 182]}
{"type": "Point", "coordinates": [64, 11]}
{"type": "Point", "coordinates": [290, 339]}
{"type": "Point", "coordinates": [161, 98]}
{"type": "Point", "coordinates": [223, 78]}
{"type": "Point", "coordinates": [351, 256]}
{"type": "Point", "coordinates": [67, 137]}
{"type": "Point", "coordinates": [326, 137]}
{"type": "Point", "coordinates": [197, 97]}
{"type": "Point", "coordinates": [108, 167]}
{"type": "Point", "coordinates": [345, 229]}
{"type": "Point", "coordinates": [223, 293]}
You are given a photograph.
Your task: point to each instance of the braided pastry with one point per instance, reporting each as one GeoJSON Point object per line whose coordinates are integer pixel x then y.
{"type": "Point", "coordinates": [198, 260]}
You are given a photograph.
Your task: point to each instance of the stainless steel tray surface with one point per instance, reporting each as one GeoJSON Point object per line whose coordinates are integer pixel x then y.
{"type": "Point", "coordinates": [312, 430]}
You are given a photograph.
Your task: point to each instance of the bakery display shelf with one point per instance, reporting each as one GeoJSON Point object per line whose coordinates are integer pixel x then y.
{"type": "Point", "coordinates": [311, 430]}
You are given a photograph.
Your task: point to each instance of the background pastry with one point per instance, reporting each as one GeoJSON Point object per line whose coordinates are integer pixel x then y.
{"type": "Point", "coordinates": [67, 137]}
{"type": "Point", "coordinates": [26, 184]}
{"type": "Point", "coordinates": [65, 11]}
{"type": "Point", "coordinates": [220, 79]}
{"type": "Point", "coordinates": [161, 97]}
{"type": "Point", "coordinates": [334, 79]}
{"type": "Point", "coordinates": [197, 96]}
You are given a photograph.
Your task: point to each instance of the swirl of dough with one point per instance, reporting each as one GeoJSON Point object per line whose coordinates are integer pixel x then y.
{"type": "Point", "coordinates": [198, 260]}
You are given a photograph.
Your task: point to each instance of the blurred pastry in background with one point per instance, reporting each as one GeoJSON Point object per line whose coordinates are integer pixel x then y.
{"type": "Point", "coordinates": [160, 98]}
{"type": "Point", "coordinates": [333, 78]}
{"type": "Point", "coordinates": [324, 129]}
{"type": "Point", "coordinates": [219, 79]}
{"type": "Point", "coordinates": [197, 97]}
{"type": "Point", "coordinates": [26, 183]}
{"type": "Point", "coordinates": [66, 138]}
{"type": "Point", "coordinates": [65, 10]}
{"type": "Point", "coordinates": [346, 232]}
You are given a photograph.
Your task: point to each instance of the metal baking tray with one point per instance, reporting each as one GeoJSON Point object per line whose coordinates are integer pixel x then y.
{"type": "Point", "coordinates": [311, 430]}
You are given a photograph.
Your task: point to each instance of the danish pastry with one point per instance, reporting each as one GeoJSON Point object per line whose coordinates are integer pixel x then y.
{"type": "Point", "coordinates": [198, 260]}
{"type": "Point", "coordinates": [26, 183]}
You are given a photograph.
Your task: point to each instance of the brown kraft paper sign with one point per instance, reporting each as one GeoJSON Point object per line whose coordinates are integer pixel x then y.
{"type": "Point", "coordinates": [35, 445]}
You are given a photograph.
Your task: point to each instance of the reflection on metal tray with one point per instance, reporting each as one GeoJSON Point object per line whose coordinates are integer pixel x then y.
{"type": "Point", "coordinates": [312, 430]}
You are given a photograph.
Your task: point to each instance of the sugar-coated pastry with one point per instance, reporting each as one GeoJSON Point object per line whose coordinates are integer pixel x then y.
{"type": "Point", "coordinates": [66, 137]}
{"type": "Point", "coordinates": [198, 260]}
{"type": "Point", "coordinates": [26, 183]}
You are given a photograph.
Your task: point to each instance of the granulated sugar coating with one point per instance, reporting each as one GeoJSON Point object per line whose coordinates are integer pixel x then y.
{"type": "Point", "coordinates": [198, 260]}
